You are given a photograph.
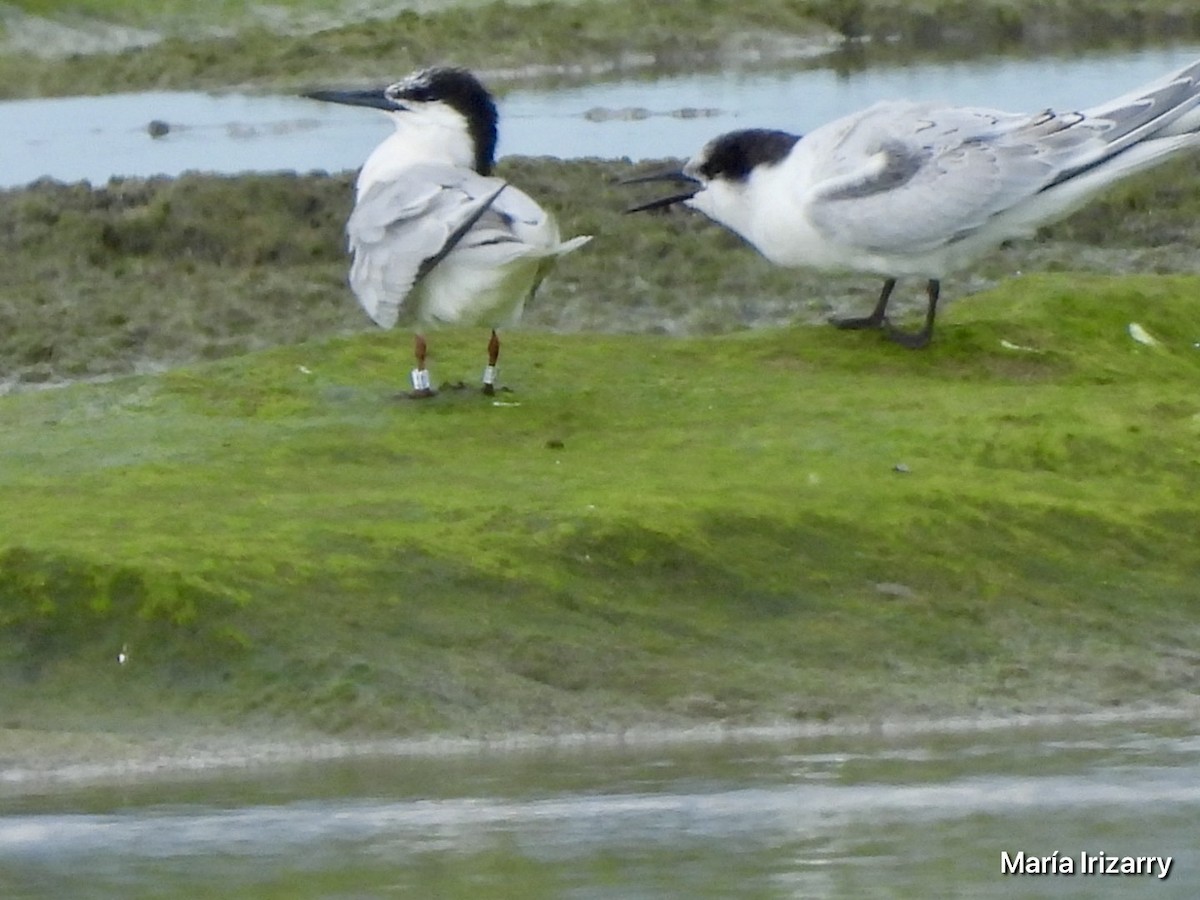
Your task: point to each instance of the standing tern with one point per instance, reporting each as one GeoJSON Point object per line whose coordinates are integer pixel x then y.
{"type": "Point", "coordinates": [432, 229]}
{"type": "Point", "coordinates": [919, 189]}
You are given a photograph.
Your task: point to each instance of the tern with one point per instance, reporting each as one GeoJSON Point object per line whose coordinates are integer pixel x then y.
{"type": "Point", "coordinates": [905, 189]}
{"type": "Point", "coordinates": [432, 229]}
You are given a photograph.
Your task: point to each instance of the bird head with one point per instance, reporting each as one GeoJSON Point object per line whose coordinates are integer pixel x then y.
{"type": "Point", "coordinates": [718, 174]}
{"type": "Point", "coordinates": [443, 103]}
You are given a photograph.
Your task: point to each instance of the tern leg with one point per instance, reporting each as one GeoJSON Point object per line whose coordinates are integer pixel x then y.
{"type": "Point", "coordinates": [420, 375]}
{"type": "Point", "coordinates": [918, 339]}
{"type": "Point", "coordinates": [877, 317]}
{"type": "Point", "coordinates": [489, 373]}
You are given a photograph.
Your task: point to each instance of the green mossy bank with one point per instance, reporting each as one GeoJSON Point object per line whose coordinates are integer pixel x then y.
{"type": "Point", "coordinates": [694, 506]}
{"type": "Point", "coordinates": [790, 523]}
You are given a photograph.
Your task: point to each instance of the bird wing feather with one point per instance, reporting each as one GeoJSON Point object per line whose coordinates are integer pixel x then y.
{"type": "Point", "coordinates": [907, 177]}
{"type": "Point", "coordinates": [516, 219]}
{"type": "Point", "coordinates": [400, 228]}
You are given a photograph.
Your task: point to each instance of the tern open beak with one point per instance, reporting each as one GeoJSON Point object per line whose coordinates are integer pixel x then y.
{"type": "Point", "coordinates": [375, 98]}
{"type": "Point", "coordinates": [676, 175]}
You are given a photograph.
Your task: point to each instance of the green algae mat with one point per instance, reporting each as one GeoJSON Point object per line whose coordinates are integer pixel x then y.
{"type": "Point", "coordinates": [786, 523]}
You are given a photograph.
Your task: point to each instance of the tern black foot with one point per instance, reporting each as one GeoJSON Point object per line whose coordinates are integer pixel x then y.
{"type": "Point", "coordinates": [913, 340]}
{"type": "Point", "coordinates": [854, 323]}
{"type": "Point", "coordinates": [878, 316]}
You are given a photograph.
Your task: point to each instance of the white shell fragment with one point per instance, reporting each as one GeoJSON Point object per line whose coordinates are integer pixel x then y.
{"type": "Point", "coordinates": [1009, 345]}
{"type": "Point", "coordinates": [1141, 335]}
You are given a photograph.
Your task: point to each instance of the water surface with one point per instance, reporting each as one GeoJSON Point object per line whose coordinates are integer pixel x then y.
{"type": "Point", "coordinates": [923, 816]}
{"type": "Point", "coordinates": [93, 138]}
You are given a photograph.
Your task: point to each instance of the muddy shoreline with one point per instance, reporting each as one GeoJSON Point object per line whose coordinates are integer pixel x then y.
{"type": "Point", "coordinates": [33, 761]}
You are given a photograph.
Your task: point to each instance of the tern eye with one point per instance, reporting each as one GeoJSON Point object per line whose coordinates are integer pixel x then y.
{"type": "Point", "coordinates": [420, 94]}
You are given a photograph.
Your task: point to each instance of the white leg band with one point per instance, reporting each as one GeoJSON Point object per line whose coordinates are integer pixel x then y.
{"type": "Point", "coordinates": [420, 379]}
{"type": "Point", "coordinates": [489, 374]}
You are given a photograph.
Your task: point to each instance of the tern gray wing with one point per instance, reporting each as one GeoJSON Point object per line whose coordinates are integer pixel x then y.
{"type": "Point", "coordinates": [1168, 107]}
{"type": "Point", "coordinates": [517, 219]}
{"type": "Point", "coordinates": [911, 178]}
{"type": "Point", "coordinates": [400, 229]}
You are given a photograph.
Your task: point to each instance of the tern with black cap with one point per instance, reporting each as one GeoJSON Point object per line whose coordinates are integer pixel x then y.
{"type": "Point", "coordinates": [433, 233]}
{"type": "Point", "coordinates": [906, 189]}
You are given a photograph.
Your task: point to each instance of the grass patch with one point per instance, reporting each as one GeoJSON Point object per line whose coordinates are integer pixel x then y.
{"type": "Point", "coordinates": [140, 274]}
{"type": "Point", "coordinates": [710, 527]}
{"type": "Point", "coordinates": [689, 514]}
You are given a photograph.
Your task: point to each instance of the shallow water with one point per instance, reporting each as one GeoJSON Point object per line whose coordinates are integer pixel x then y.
{"type": "Point", "coordinates": [838, 816]}
{"type": "Point", "coordinates": [93, 138]}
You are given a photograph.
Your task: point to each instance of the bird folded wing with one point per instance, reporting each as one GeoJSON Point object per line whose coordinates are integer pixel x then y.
{"type": "Point", "coordinates": [516, 226]}
{"type": "Point", "coordinates": [902, 183]}
{"type": "Point", "coordinates": [524, 220]}
{"type": "Point", "coordinates": [403, 227]}
{"type": "Point", "coordinates": [1155, 106]}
